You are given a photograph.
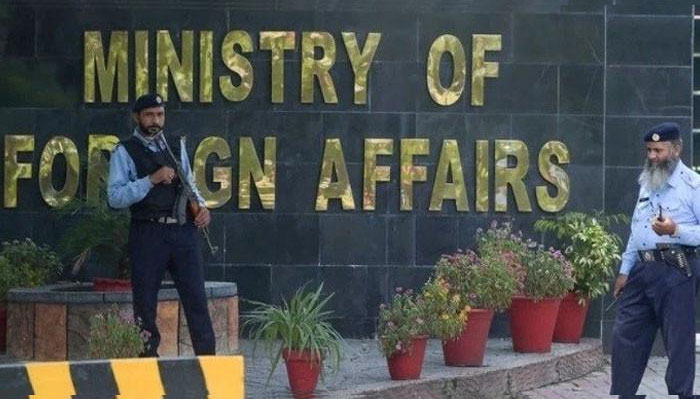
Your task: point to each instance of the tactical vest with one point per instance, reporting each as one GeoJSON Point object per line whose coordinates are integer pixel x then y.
{"type": "Point", "coordinates": [160, 200]}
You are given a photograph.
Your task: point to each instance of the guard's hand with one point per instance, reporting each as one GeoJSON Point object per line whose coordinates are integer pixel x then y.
{"type": "Point", "coordinates": [203, 218]}
{"type": "Point", "coordinates": [620, 283]}
{"type": "Point", "coordinates": [163, 175]}
{"type": "Point", "coordinates": [665, 226]}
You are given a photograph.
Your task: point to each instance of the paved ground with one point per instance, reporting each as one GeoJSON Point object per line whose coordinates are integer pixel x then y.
{"type": "Point", "coordinates": [364, 370]}
{"type": "Point", "coordinates": [597, 384]}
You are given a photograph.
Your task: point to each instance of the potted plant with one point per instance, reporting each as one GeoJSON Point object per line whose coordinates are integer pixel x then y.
{"type": "Point", "coordinates": [543, 278]}
{"type": "Point", "coordinates": [466, 283]}
{"type": "Point", "coordinates": [115, 336]}
{"type": "Point", "coordinates": [298, 331]}
{"type": "Point", "coordinates": [403, 334]}
{"type": "Point", "coordinates": [100, 232]}
{"type": "Point", "coordinates": [24, 264]}
{"type": "Point", "coordinates": [594, 251]}
{"type": "Point", "coordinates": [533, 313]}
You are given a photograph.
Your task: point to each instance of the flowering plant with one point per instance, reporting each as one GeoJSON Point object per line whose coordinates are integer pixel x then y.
{"type": "Point", "coordinates": [500, 245]}
{"type": "Point", "coordinates": [539, 273]}
{"type": "Point", "coordinates": [485, 282]}
{"type": "Point", "coordinates": [113, 335]}
{"type": "Point", "coordinates": [401, 321]}
{"type": "Point", "coordinates": [500, 239]}
{"type": "Point", "coordinates": [547, 274]}
{"type": "Point", "coordinates": [446, 309]}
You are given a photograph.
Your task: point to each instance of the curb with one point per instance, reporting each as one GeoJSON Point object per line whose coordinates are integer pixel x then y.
{"type": "Point", "coordinates": [488, 382]}
{"type": "Point", "coordinates": [191, 377]}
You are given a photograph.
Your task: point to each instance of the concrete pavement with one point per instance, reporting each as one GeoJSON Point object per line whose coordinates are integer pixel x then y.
{"type": "Point", "coordinates": [596, 385]}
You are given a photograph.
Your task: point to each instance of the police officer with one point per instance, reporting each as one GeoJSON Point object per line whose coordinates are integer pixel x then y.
{"type": "Point", "coordinates": [142, 176]}
{"type": "Point", "coordinates": [658, 275]}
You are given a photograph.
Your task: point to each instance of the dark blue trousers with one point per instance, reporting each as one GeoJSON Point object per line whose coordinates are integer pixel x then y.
{"type": "Point", "coordinates": [656, 296]}
{"type": "Point", "coordinates": [153, 248]}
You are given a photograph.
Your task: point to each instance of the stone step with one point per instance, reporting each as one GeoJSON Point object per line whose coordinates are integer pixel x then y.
{"type": "Point", "coordinates": [364, 372]}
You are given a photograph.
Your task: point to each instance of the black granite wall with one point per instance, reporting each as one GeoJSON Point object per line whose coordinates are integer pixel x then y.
{"type": "Point", "coordinates": [590, 74]}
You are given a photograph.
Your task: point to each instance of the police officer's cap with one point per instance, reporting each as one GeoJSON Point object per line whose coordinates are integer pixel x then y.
{"type": "Point", "coordinates": [148, 101]}
{"type": "Point", "coordinates": [663, 132]}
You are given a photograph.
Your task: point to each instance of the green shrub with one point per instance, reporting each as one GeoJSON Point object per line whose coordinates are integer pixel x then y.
{"type": "Point", "coordinates": [590, 245]}
{"type": "Point", "coordinates": [97, 230]}
{"type": "Point", "coordinates": [26, 264]}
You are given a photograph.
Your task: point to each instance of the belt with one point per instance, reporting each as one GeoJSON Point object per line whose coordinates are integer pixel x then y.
{"type": "Point", "coordinates": [672, 255]}
{"type": "Point", "coordinates": [658, 255]}
{"type": "Point", "coordinates": [164, 220]}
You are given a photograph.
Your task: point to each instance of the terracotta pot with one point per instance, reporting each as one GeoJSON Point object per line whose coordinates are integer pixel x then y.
{"type": "Point", "coordinates": [3, 328]}
{"type": "Point", "coordinates": [532, 323]}
{"type": "Point", "coordinates": [570, 319]}
{"type": "Point", "coordinates": [303, 369]}
{"type": "Point", "coordinates": [111, 285]}
{"type": "Point", "coordinates": [467, 349]}
{"type": "Point", "coordinates": [408, 364]}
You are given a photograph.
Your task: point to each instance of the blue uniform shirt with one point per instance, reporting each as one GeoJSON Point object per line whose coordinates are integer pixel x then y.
{"type": "Point", "coordinates": [679, 199]}
{"type": "Point", "coordinates": [124, 188]}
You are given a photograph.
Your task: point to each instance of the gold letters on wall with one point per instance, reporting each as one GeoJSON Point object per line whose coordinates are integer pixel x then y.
{"type": "Point", "coordinates": [320, 68]}
{"type": "Point", "coordinates": [221, 175]}
{"type": "Point", "coordinates": [457, 189]}
{"type": "Point", "coordinates": [409, 172]}
{"type": "Point", "coordinates": [102, 69]}
{"type": "Point", "coordinates": [511, 164]}
{"type": "Point", "coordinates": [441, 95]}
{"type": "Point", "coordinates": [554, 175]}
{"type": "Point", "coordinates": [116, 65]}
{"type": "Point", "coordinates": [263, 177]}
{"type": "Point", "coordinates": [14, 169]}
{"type": "Point", "coordinates": [277, 43]}
{"type": "Point", "coordinates": [334, 161]}
{"type": "Point", "coordinates": [98, 168]}
{"type": "Point", "coordinates": [238, 64]}
{"type": "Point", "coordinates": [167, 62]}
{"type": "Point", "coordinates": [59, 145]}
{"type": "Point", "coordinates": [206, 66]}
{"type": "Point", "coordinates": [374, 173]}
{"type": "Point", "coordinates": [480, 68]}
{"type": "Point", "coordinates": [361, 61]}
{"type": "Point", "coordinates": [511, 176]}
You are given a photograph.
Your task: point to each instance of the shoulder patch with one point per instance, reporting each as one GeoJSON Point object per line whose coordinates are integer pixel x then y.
{"type": "Point", "coordinates": [691, 178]}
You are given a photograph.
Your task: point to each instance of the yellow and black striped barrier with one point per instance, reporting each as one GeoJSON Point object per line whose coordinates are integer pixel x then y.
{"type": "Point", "coordinates": [210, 377]}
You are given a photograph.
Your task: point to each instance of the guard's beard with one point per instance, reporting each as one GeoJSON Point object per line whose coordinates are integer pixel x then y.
{"type": "Point", "coordinates": [151, 130]}
{"type": "Point", "coordinates": [654, 177]}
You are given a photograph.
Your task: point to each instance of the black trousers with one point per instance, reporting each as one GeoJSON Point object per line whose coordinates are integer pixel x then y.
{"type": "Point", "coordinates": [656, 296]}
{"type": "Point", "coordinates": [153, 248]}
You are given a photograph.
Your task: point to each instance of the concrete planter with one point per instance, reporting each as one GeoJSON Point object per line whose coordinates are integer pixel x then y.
{"type": "Point", "coordinates": [53, 322]}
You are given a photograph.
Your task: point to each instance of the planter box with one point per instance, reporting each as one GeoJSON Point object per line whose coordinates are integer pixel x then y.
{"type": "Point", "coordinates": [53, 322]}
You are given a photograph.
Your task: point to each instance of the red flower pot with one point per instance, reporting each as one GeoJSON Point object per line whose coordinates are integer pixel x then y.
{"type": "Point", "coordinates": [303, 369]}
{"type": "Point", "coordinates": [532, 324]}
{"type": "Point", "coordinates": [407, 364]}
{"type": "Point", "coordinates": [570, 319]}
{"type": "Point", "coordinates": [467, 349]}
{"type": "Point", "coordinates": [3, 328]}
{"type": "Point", "coordinates": [111, 285]}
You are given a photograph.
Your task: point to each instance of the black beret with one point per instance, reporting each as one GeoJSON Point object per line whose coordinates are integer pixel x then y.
{"type": "Point", "coordinates": [148, 101]}
{"type": "Point", "coordinates": [663, 132]}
